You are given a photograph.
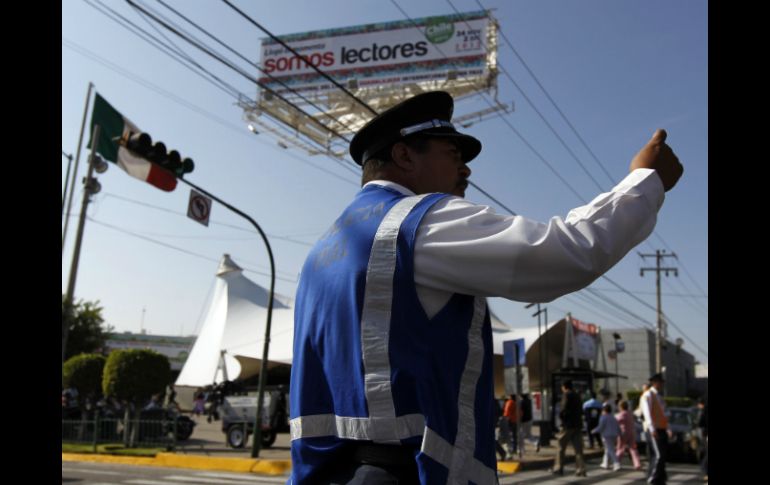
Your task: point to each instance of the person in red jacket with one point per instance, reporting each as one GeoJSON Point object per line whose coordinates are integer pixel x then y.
{"type": "Point", "coordinates": [511, 411]}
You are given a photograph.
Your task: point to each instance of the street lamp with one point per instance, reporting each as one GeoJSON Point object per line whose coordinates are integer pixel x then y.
{"type": "Point", "coordinates": [544, 429]}
{"type": "Point", "coordinates": [619, 347]}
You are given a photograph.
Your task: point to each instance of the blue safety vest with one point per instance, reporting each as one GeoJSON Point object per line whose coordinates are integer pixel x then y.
{"type": "Point", "coordinates": [370, 365]}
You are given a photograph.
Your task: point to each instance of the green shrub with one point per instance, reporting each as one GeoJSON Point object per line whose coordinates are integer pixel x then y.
{"type": "Point", "coordinates": [84, 373]}
{"type": "Point", "coordinates": [135, 374]}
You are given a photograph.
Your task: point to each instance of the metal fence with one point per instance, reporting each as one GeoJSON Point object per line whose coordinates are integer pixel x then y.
{"type": "Point", "coordinates": [140, 432]}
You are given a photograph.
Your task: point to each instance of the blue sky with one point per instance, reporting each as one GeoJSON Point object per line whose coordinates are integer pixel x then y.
{"type": "Point", "coordinates": [617, 69]}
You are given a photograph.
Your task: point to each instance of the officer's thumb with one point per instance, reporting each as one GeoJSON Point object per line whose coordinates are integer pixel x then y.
{"type": "Point", "coordinates": [659, 136]}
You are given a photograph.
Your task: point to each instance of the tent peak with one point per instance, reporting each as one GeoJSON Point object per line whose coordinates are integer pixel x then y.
{"type": "Point", "coordinates": [227, 265]}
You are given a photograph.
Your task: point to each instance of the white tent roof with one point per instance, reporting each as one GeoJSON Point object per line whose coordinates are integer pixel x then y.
{"type": "Point", "coordinates": [235, 323]}
{"type": "Point", "coordinates": [529, 334]}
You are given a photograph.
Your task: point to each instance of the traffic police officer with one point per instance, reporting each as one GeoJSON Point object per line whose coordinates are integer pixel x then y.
{"type": "Point", "coordinates": [392, 372]}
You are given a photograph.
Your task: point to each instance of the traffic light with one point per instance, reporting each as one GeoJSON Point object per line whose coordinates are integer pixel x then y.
{"type": "Point", "coordinates": [141, 145]}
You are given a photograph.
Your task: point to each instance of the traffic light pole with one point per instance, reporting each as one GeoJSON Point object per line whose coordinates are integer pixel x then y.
{"type": "Point", "coordinates": [263, 370]}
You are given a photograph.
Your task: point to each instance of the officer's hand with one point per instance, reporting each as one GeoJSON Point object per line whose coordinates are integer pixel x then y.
{"type": "Point", "coordinates": [659, 156]}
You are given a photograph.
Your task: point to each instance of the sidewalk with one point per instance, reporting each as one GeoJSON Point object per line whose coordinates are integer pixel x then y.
{"type": "Point", "coordinates": [206, 450]}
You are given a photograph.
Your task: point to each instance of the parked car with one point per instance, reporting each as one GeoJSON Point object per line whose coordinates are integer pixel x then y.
{"type": "Point", "coordinates": [685, 441]}
{"type": "Point", "coordinates": [684, 444]}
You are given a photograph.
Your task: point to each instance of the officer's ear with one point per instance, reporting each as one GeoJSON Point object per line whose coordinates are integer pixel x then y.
{"type": "Point", "coordinates": [399, 153]}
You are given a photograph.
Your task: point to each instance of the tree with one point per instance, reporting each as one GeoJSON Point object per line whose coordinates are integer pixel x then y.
{"type": "Point", "coordinates": [84, 373]}
{"type": "Point", "coordinates": [86, 333]}
{"type": "Point", "coordinates": [135, 375]}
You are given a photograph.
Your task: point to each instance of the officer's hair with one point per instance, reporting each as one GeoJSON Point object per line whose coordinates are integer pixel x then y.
{"type": "Point", "coordinates": [376, 162]}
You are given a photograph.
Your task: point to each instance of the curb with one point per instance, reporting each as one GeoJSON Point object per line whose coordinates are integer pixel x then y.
{"type": "Point", "coordinates": [266, 467]}
{"type": "Point", "coordinates": [243, 465]}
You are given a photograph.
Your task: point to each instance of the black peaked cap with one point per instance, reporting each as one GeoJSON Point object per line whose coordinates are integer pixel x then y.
{"type": "Point", "coordinates": [385, 128]}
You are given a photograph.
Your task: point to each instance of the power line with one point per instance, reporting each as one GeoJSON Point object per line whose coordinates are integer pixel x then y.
{"type": "Point", "coordinates": [130, 233]}
{"type": "Point", "coordinates": [705, 354]}
{"type": "Point", "coordinates": [533, 150]}
{"type": "Point", "coordinates": [510, 126]}
{"type": "Point", "coordinates": [532, 105]}
{"type": "Point", "coordinates": [155, 42]}
{"type": "Point", "coordinates": [600, 307]}
{"type": "Point", "coordinates": [213, 223]}
{"type": "Point", "coordinates": [564, 117]}
{"type": "Point", "coordinates": [566, 120]}
{"type": "Point", "coordinates": [310, 64]}
{"type": "Point", "coordinates": [226, 46]}
{"type": "Point", "coordinates": [207, 114]}
{"type": "Point", "coordinates": [681, 295]}
{"type": "Point", "coordinates": [688, 302]}
{"type": "Point", "coordinates": [235, 68]}
{"type": "Point", "coordinates": [199, 45]}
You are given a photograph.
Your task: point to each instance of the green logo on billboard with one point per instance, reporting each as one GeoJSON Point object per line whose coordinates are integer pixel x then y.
{"type": "Point", "coordinates": [439, 30]}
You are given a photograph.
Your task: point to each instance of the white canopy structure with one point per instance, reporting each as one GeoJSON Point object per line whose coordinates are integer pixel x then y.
{"type": "Point", "coordinates": [232, 335]}
{"type": "Point", "coordinates": [233, 331]}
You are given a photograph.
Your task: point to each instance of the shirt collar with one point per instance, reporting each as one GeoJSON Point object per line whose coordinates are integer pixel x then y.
{"type": "Point", "coordinates": [392, 185]}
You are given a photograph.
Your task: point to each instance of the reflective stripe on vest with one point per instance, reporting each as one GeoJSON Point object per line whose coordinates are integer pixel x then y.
{"type": "Point", "coordinates": [375, 316]}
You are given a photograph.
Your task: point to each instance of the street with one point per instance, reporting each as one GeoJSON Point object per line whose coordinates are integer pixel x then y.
{"type": "Point", "coordinates": [678, 473]}
{"type": "Point", "coordinates": [77, 473]}
{"type": "Point", "coordinates": [111, 474]}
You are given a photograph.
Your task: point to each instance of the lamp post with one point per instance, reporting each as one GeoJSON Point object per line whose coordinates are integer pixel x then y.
{"type": "Point", "coordinates": [619, 347]}
{"type": "Point", "coordinates": [545, 432]}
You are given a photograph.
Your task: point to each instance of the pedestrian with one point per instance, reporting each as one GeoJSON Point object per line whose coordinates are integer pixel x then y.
{"type": "Point", "coordinates": [392, 370]}
{"type": "Point", "coordinates": [607, 400]}
{"type": "Point", "coordinates": [526, 423]}
{"type": "Point", "coordinates": [572, 431]}
{"type": "Point", "coordinates": [703, 426]}
{"type": "Point", "coordinates": [610, 432]}
{"type": "Point", "coordinates": [657, 429]}
{"type": "Point", "coordinates": [511, 413]}
{"type": "Point", "coordinates": [592, 410]}
{"type": "Point", "coordinates": [199, 403]}
{"type": "Point", "coordinates": [503, 434]}
{"type": "Point", "coordinates": [627, 440]}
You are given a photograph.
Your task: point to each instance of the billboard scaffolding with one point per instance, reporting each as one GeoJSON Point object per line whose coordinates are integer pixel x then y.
{"type": "Point", "coordinates": [381, 64]}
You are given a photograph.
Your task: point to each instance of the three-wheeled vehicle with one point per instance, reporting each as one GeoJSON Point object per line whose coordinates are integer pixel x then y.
{"type": "Point", "coordinates": [240, 412]}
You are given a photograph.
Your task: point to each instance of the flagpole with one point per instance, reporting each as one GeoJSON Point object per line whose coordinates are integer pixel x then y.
{"type": "Point", "coordinates": [75, 173]}
{"type": "Point", "coordinates": [88, 185]}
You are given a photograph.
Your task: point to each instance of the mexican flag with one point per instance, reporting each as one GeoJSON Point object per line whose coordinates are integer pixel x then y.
{"type": "Point", "coordinates": [115, 129]}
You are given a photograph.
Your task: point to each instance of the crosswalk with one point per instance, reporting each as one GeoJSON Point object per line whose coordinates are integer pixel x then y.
{"type": "Point", "coordinates": [96, 474]}
{"type": "Point", "coordinates": [677, 475]}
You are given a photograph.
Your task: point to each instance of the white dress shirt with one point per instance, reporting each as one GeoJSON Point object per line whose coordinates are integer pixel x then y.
{"type": "Point", "coordinates": [652, 422]}
{"type": "Point", "coordinates": [467, 248]}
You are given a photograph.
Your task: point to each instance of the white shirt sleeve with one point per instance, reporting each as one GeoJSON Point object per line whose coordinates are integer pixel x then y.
{"type": "Point", "coordinates": [467, 248]}
{"type": "Point", "coordinates": [647, 410]}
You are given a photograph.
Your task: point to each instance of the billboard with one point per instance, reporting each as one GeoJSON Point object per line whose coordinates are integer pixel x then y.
{"type": "Point", "coordinates": [585, 340]}
{"type": "Point", "coordinates": [382, 54]}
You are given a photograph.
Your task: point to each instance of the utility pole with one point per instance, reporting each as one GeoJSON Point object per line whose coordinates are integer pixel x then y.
{"type": "Point", "coordinates": [91, 187]}
{"type": "Point", "coordinates": [660, 331]}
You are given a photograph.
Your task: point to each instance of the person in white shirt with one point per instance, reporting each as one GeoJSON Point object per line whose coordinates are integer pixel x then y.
{"type": "Point", "coordinates": [657, 430]}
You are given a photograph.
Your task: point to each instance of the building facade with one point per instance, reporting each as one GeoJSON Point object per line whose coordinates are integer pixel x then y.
{"type": "Point", "coordinates": [637, 362]}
